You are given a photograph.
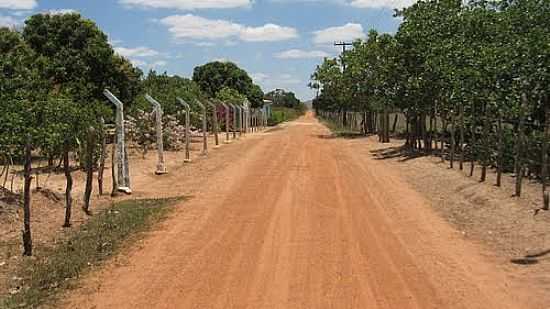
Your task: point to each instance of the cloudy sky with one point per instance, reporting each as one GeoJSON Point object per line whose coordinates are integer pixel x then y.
{"type": "Point", "coordinates": [279, 42]}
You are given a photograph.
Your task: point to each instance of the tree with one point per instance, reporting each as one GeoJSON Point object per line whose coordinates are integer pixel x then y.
{"type": "Point", "coordinates": [214, 76]}
{"type": "Point", "coordinates": [229, 95]}
{"type": "Point", "coordinates": [480, 67]}
{"type": "Point", "coordinates": [284, 98]}
{"type": "Point", "coordinates": [80, 62]}
{"type": "Point", "coordinates": [166, 89]}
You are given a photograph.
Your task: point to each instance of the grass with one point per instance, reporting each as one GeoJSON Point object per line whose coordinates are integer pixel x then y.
{"type": "Point", "coordinates": [340, 131]}
{"type": "Point", "coordinates": [283, 114]}
{"type": "Point", "coordinates": [54, 270]}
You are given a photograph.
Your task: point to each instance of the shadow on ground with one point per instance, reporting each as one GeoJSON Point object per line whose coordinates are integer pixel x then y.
{"type": "Point", "coordinates": [344, 135]}
{"type": "Point", "coordinates": [530, 259]}
{"type": "Point", "coordinates": [394, 152]}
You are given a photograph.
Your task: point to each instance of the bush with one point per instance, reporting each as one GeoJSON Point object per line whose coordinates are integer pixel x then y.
{"type": "Point", "coordinates": [283, 114]}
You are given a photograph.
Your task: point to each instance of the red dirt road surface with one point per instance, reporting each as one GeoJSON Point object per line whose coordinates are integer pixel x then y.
{"type": "Point", "coordinates": [298, 220]}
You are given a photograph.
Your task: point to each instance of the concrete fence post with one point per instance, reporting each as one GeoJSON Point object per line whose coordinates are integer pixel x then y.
{"type": "Point", "coordinates": [187, 128]}
{"type": "Point", "coordinates": [157, 108]}
{"type": "Point", "coordinates": [204, 128]}
{"type": "Point", "coordinates": [122, 154]}
{"type": "Point", "coordinates": [215, 126]}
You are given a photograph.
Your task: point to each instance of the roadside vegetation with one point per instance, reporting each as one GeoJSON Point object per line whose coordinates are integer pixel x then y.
{"type": "Point", "coordinates": [285, 106]}
{"type": "Point", "coordinates": [471, 80]}
{"type": "Point", "coordinates": [55, 119]}
{"type": "Point", "coordinates": [53, 109]}
{"type": "Point", "coordinates": [56, 269]}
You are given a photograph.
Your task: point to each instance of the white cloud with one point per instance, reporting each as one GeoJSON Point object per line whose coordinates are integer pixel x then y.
{"type": "Point", "coordinates": [204, 44]}
{"type": "Point", "coordinates": [301, 54]}
{"type": "Point", "coordinates": [146, 65]}
{"type": "Point", "coordinates": [136, 52]}
{"type": "Point", "coordinates": [60, 11]}
{"type": "Point", "coordinates": [268, 32]}
{"type": "Point", "coordinates": [374, 4]}
{"type": "Point", "coordinates": [138, 63]}
{"type": "Point", "coordinates": [347, 32]}
{"type": "Point", "coordinates": [258, 78]}
{"type": "Point", "coordinates": [187, 4]}
{"type": "Point", "coordinates": [18, 4]}
{"type": "Point", "coordinates": [397, 4]}
{"type": "Point", "coordinates": [272, 81]}
{"type": "Point", "coordinates": [193, 27]}
{"type": "Point", "coordinates": [8, 21]}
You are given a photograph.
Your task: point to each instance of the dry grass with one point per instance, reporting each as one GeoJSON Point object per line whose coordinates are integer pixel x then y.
{"type": "Point", "coordinates": [55, 269]}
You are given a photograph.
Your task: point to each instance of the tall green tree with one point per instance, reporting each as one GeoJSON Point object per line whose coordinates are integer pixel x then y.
{"type": "Point", "coordinates": [214, 76]}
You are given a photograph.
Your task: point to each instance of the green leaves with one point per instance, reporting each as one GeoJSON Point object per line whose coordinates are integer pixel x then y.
{"type": "Point", "coordinates": [52, 78]}
{"type": "Point", "coordinates": [445, 54]}
{"type": "Point", "coordinates": [214, 76]}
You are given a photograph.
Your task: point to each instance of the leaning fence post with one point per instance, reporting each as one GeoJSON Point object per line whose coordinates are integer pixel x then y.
{"type": "Point", "coordinates": [187, 129]}
{"type": "Point", "coordinates": [215, 128]}
{"type": "Point", "coordinates": [226, 111]}
{"type": "Point", "coordinates": [239, 120]}
{"type": "Point", "coordinates": [204, 129]}
{"type": "Point", "coordinates": [122, 155]}
{"type": "Point", "coordinates": [234, 114]}
{"type": "Point", "coordinates": [157, 108]}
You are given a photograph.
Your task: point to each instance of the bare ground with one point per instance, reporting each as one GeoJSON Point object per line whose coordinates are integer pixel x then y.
{"type": "Point", "coordinates": [298, 219]}
{"type": "Point", "coordinates": [48, 213]}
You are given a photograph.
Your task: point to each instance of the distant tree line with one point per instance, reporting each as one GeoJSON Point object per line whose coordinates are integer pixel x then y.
{"type": "Point", "coordinates": [472, 80]}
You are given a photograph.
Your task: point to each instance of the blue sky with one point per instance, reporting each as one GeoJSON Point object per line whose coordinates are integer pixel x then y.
{"type": "Point", "coordinates": [279, 42]}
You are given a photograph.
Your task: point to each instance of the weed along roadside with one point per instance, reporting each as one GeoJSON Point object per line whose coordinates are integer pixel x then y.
{"type": "Point", "coordinates": [40, 279]}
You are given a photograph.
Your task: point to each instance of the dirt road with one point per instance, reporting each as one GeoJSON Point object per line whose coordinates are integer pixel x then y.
{"type": "Point", "coordinates": [298, 220]}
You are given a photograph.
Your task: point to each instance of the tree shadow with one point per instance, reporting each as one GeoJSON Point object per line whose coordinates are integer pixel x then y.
{"type": "Point", "coordinates": [530, 259]}
{"type": "Point", "coordinates": [343, 135]}
{"type": "Point", "coordinates": [403, 152]}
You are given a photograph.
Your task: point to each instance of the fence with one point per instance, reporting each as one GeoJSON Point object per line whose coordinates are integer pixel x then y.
{"type": "Point", "coordinates": [519, 146]}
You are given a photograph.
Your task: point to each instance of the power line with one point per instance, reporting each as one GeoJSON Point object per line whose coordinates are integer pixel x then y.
{"type": "Point", "coordinates": [344, 48]}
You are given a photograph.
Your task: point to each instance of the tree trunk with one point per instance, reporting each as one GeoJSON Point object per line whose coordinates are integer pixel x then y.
{"type": "Point", "coordinates": [408, 143]}
{"type": "Point", "coordinates": [101, 170]}
{"type": "Point", "coordinates": [461, 137]}
{"type": "Point", "coordinates": [424, 130]}
{"type": "Point", "coordinates": [486, 139]}
{"type": "Point", "coordinates": [394, 126]}
{"type": "Point", "coordinates": [473, 144]}
{"type": "Point", "coordinates": [500, 162]}
{"type": "Point", "coordinates": [431, 132]}
{"type": "Point", "coordinates": [519, 147]}
{"type": "Point", "coordinates": [453, 141]}
{"type": "Point", "coordinates": [443, 130]}
{"type": "Point", "coordinates": [436, 134]}
{"type": "Point", "coordinates": [89, 169]}
{"type": "Point", "coordinates": [544, 169]}
{"type": "Point", "coordinates": [386, 125]}
{"type": "Point", "coordinates": [69, 187]}
{"type": "Point", "coordinates": [27, 239]}
{"type": "Point", "coordinates": [114, 168]}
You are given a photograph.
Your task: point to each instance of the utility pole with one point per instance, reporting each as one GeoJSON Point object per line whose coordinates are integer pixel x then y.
{"type": "Point", "coordinates": [344, 48]}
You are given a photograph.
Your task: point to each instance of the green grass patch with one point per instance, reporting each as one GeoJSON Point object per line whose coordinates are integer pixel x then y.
{"type": "Point", "coordinates": [339, 131]}
{"type": "Point", "coordinates": [53, 270]}
{"type": "Point", "coordinates": [284, 114]}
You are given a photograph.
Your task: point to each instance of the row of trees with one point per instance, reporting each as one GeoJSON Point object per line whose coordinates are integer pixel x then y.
{"type": "Point", "coordinates": [53, 74]}
{"type": "Point", "coordinates": [470, 76]}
